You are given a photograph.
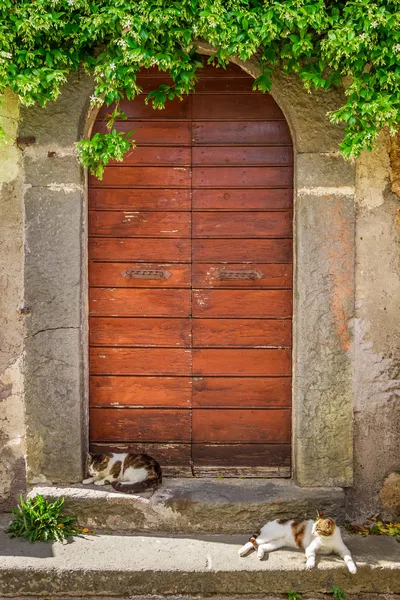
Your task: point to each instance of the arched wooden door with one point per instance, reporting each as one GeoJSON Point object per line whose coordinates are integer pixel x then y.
{"type": "Point", "coordinates": [190, 272]}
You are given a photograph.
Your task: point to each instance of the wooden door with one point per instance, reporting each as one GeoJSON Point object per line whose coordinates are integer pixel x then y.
{"type": "Point", "coordinates": [190, 273]}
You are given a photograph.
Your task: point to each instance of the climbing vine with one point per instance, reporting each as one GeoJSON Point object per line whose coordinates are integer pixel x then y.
{"type": "Point", "coordinates": [322, 41]}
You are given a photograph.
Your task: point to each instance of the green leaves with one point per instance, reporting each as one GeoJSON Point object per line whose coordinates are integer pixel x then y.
{"type": "Point", "coordinates": [38, 520]}
{"type": "Point", "coordinates": [42, 42]}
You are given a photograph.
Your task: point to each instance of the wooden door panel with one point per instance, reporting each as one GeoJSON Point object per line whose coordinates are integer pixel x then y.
{"type": "Point", "coordinates": [151, 392]}
{"type": "Point", "coordinates": [239, 363]}
{"type": "Point", "coordinates": [242, 225]}
{"type": "Point", "coordinates": [236, 250]}
{"type": "Point", "coordinates": [161, 250]}
{"type": "Point", "coordinates": [126, 199]}
{"type": "Point", "coordinates": [242, 303]}
{"type": "Point", "coordinates": [158, 156]}
{"type": "Point", "coordinates": [241, 108]}
{"type": "Point", "coordinates": [238, 155]}
{"type": "Point", "coordinates": [147, 275]}
{"type": "Point", "coordinates": [121, 302]}
{"type": "Point", "coordinates": [140, 361]}
{"type": "Point", "coordinates": [252, 392]}
{"type": "Point", "coordinates": [241, 455]}
{"type": "Point", "coordinates": [243, 200]}
{"type": "Point", "coordinates": [237, 177]}
{"type": "Point", "coordinates": [133, 224]}
{"type": "Point", "coordinates": [160, 332]}
{"type": "Point", "coordinates": [153, 133]}
{"type": "Point", "coordinates": [174, 109]}
{"type": "Point", "coordinates": [236, 425]}
{"type": "Point", "coordinates": [248, 133]}
{"type": "Point", "coordinates": [241, 333]}
{"type": "Point", "coordinates": [150, 177]}
{"type": "Point", "coordinates": [139, 425]}
{"type": "Point", "coordinates": [211, 275]}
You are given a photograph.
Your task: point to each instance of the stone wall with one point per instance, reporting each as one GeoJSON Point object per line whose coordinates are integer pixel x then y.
{"type": "Point", "coordinates": [12, 431]}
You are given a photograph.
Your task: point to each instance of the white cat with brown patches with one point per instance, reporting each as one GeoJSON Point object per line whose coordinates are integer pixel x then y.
{"type": "Point", "coordinates": [321, 536]}
{"type": "Point", "coordinates": [128, 473]}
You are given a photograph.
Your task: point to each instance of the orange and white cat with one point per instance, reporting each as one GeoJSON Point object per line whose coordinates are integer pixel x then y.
{"type": "Point", "coordinates": [321, 536]}
{"type": "Point", "coordinates": [128, 473]}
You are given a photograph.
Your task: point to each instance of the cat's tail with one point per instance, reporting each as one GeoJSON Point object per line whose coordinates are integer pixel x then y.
{"type": "Point", "coordinates": [134, 488]}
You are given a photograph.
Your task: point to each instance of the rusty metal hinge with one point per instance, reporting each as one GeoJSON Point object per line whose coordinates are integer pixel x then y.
{"type": "Point", "coordinates": [145, 274]}
{"type": "Point", "coordinates": [251, 275]}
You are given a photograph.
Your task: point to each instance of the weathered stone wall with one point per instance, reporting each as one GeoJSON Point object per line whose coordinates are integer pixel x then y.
{"type": "Point", "coordinates": [377, 327]}
{"type": "Point", "coordinates": [12, 442]}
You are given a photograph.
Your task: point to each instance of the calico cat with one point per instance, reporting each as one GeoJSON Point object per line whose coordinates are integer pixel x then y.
{"type": "Point", "coordinates": [128, 473]}
{"type": "Point", "coordinates": [320, 536]}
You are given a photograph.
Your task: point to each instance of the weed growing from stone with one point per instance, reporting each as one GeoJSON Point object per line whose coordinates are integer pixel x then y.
{"type": "Point", "coordinates": [38, 520]}
{"type": "Point", "coordinates": [338, 593]}
{"type": "Point", "coordinates": [293, 595]}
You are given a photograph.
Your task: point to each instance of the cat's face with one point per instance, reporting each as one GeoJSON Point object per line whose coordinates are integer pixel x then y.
{"type": "Point", "coordinates": [97, 463]}
{"type": "Point", "coordinates": [323, 526]}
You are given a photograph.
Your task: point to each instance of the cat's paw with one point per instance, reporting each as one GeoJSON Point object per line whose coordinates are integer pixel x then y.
{"type": "Point", "coordinates": [242, 552]}
{"type": "Point", "coordinates": [260, 554]}
{"type": "Point", "coordinates": [99, 482]}
{"type": "Point", "coordinates": [310, 564]}
{"type": "Point", "coordinates": [87, 481]}
{"type": "Point", "coordinates": [352, 568]}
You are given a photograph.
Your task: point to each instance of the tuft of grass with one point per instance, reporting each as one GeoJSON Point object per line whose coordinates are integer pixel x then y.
{"type": "Point", "coordinates": [293, 595]}
{"type": "Point", "coordinates": [38, 520]}
{"type": "Point", "coordinates": [338, 593]}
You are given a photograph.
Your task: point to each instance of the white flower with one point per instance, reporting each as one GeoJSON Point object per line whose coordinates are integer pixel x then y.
{"type": "Point", "coordinates": [363, 36]}
{"type": "Point", "coordinates": [96, 100]}
{"type": "Point", "coordinates": [71, 2]}
{"type": "Point", "coordinates": [374, 24]}
{"type": "Point", "coordinates": [122, 43]}
{"type": "Point", "coordinates": [112, 66]}
{"type": "Point", "coordinates": [396, 48]}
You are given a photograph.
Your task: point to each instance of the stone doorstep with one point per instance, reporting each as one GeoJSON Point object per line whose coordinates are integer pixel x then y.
{"type": "Point", "coordinates": [165, 565]}
{"type": "Point", "coordinates": [213, 506]}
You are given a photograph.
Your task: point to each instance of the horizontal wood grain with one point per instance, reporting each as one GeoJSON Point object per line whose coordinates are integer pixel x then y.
{"type": "Point", "coordinates": [238, 108]}
{"type": "Point", "coordinates": [102, 274]}
{"type": "Point", "coordinates": [240, 156]}
{"type": "Point", "coordinates": [238, 177]}
{"type": "Point", "coordinates": [119, 391]}
{"type": "Point", "coordinates": [156, 250]}
{"type": "Point", "coordinates": [210, 275]}
{"type": "Point", "coordinates": [139, 425]}
{"type": "Point", "coordinates": [148, 199]}
{"type": "Point", "coordinates": [149, 177]}
{"type": "Point", "coordinates": [242, 303]}
{"type": "Point", "coordinates": [235, 250]}
{"type": "Point", "coordinates": [127, 331]}
{"type": "Point", "coordinates": [121, 302]}
{"type": "Point", "coordinates": [241, 455]}
{"type": "Point", "coordinates": [239, 363]}
{"type": "Point", "coordinates": [138, 109]}
{"type": "Point", "coordinates": [241, 333]}
{"type": "Point", "coordinates": [205, 85]}
{"type": "Point", "coordinates": [229, 199]}
{"type": "Point", "coordinates": [241, 472]}
{"type": "Point", "coordinates": [261, 133]}
{"type": "Point", "coordinates": [236, 224]}
{"type": "Point", "coordinates": [139, 361]}
{"type": "Point", "coordinates": [166, 454]}
{"type": "Point", "coordinates": [139, 224]}
{"type": "Point", "coordinates": [152, 133]}
{"type": "Point", "coordinates": [239, 392]}
{"type": "Point", "coordinates": [157, 156]}
{"type": "Point", "coordinates": [236, 425]}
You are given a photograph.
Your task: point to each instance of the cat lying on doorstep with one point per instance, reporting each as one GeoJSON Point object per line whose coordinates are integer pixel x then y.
{"type": "Point", "coordinates": [321, 536]}
{"type": "Point", "coordinates": [128, 473]}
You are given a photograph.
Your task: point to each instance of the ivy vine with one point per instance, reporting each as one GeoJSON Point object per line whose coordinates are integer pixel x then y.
{"type": "Point", "coordinates": [322, 41]}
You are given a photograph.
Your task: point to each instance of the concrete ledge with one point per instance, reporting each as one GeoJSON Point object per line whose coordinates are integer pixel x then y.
{"type": "Point", "coordinates": [196, 505]}
{"type": "Point", "coordinates": [194, 565]}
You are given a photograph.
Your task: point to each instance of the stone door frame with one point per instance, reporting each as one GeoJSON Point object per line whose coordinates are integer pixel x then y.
{"type": "Point", "coordinates": [56, 387]}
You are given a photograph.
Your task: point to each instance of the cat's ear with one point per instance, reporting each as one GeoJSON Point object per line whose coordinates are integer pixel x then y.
{"type": "Point", "coordinates": [320, 514]}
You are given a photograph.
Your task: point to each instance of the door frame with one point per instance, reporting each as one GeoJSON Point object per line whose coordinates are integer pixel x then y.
{"type": "Point", "coordinates": [56, 370]}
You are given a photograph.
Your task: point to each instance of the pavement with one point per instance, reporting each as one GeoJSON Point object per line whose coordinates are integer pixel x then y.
{"type": "Point", "coordinates": [189, 565]}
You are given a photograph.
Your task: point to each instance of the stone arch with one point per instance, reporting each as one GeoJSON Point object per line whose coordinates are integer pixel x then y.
{"type": "Point", "coordinates": [55, 285]}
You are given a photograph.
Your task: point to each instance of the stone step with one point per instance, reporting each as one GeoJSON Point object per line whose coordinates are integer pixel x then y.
{"type": "Point", "coordinates": [135, 565]}
{"type": "Point", "coordinates": [212, 506]}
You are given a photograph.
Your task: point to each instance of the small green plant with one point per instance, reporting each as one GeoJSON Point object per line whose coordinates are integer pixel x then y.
{"type": "Point", "coordinates": [293, 595]}
{"type": "Point", "coordinates": [38, 520]}
{"type": "Point", "coordinates": [338, 593]}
